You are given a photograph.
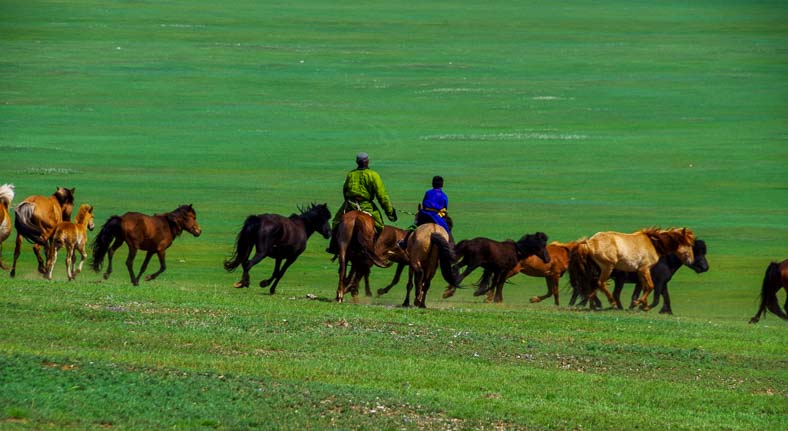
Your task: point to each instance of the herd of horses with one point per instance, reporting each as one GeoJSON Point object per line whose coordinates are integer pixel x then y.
{"type": "Point", "coordinates": [649, 257]}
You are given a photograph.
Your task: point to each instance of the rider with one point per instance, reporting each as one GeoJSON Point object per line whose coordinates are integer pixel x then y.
{"type": "Point", "coordinates": [433, 209]}
{"type": "Point", "coordinates": [362, 187]}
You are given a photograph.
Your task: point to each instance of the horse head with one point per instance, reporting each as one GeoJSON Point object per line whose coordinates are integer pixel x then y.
{"type": "Point", "coordinates": [533, 244]}
{"type": "Point", "coordinates": [699, 263]}
{"type": "Point", "coordinates": [85, 216]}
{"type": "Point", "coordinates": [318, 216]}
{"type": "Point", "coordinates": [186, 218]}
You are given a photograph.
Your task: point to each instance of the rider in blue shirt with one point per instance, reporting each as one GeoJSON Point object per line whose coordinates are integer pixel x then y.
{"type": "Point", "coordinates": [434, 206]}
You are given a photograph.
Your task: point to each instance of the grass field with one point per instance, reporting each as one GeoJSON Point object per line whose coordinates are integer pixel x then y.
{"type": "Point", "coordinates": [564, 117]}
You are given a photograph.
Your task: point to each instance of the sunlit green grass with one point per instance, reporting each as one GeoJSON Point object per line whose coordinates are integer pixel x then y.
{"type": "Point", "coordinates": [568, 118]}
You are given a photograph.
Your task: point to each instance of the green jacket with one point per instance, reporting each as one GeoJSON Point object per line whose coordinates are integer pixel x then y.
{"type": "Point", "coordinates": [362, 187]}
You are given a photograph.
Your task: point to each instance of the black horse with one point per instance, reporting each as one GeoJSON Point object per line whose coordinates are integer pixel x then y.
{"type": "Point", "coordinates": [282, 238]}
{"type": "Point", "coordinates": [661, 273]}
{"type": "Point", "coordinates": [775, 278]}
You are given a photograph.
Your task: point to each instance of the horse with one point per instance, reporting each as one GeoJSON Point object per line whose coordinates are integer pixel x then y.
{"type": "Point", "coordinates": [387, 245]}
{"type": "Point", "coordinates": [775, 278]}
{"type": "Point", "coordinates": [36, 218]}
{"type": "Point", "coordinates": [595, 259]}
{"type": "Point", "coordinates": [661, 274]}
{"type": "Point", "coordinates": [428, 247]}
{"type": "Point", "coordinates": [497, 259]}
{"type": "Point", "coordinates": [356, 246]}
{"type": "Point", "coordinates": [282, 238]}
{"type": "Point", "coordinates": [153, 234]}
{"type": "Point", "coordinates": [6, 197]}
{"type": "Point", "coordinates": [552, 271]}
{"type": "Point", "coordinates": [73, 236]}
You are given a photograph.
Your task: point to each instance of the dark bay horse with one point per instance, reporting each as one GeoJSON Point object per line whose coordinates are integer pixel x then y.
{"type": "Point", "coordinates": [356, 247]}
{"type": "Point", "coordinates": [153, 234]}
{"type": "Point", "coordinates": [279, 237]}
{"type": "Point", "coordinates": [552, 271]}
{"type": "Point", "coordinates": [72, 236]}
{"type": "Point", "coordinates": [661, 274]}
{"type": "Point", "coordinates": [595, 259]}
{"type": "Point", "coordinates": [429, 247]}
{"type": "Point", "coordinates": [497, 259]}
{"type": "Point", "coordinates": [775, 278]}
{"type": "Point", "coordinates": [36, 218]}
{"type": "Point", "coordinates": [6, 197]}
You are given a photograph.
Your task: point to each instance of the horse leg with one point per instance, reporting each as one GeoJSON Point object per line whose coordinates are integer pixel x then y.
{"type": "Point", "coordinates": [535, 299]}
{"type": "Point", "coordinates": [644, 275]}
{"type": "Point", "coordinates": [82, 255]}
{"type": "Point", "coordinates": [247, 266]}
{"type": "Point", "coordinates": [418, 280]}
{"type": "Point", "coordinates": [342, 274]}
{"type": "Point", "coordinates": [280, 273]}
{"type": "Point", "coordinates": [37, 252]}
{"type": "Point", "coordinates": [500, 280]}
{"type": "Point", "coordinates": [274, 274]}
{"type": "Point", "coordinates": [17, 250]}
{"type": "Point", "coordinates": [110, 253]}
{"type": "Point", "coordinates": [619, 286]}
{"type": "Point", "coordinates": [666, 307]}
{"type": "Point", "coordinates": [602, 285]}
{"type": "Point", "coordinates": [367, 291]}
{"type": "Point", "coordinates": [130, 266]}
{"type": "Point", "coordinates": [70, 262]}
{"type": "Point", "coordinates": [553, 282]}
{"type": "Point", "coordinates": [408, 288]}
{"type": "Point", "coordinates": [394, 281]}
{"type": "Point", "coordinates": [51, 260]}
{"type": "Point", "coordinates": [162, 266]}
{"type": "Point", "coordinates": [636, 292]}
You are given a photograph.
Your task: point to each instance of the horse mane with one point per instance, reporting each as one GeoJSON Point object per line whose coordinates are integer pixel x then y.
{"type": "Point", "coordinates": [667, 241]}
{"type": "Point", "coordinates": [313, 213]}
{"type": "Point", "coordinates": [84, 209]}
{"type": "Point", "coordinates": [175, 218]}
{"type": "Point", "coordinates": [6, 194]}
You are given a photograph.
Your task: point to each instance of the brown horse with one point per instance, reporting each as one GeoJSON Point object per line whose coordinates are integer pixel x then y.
{"type": "Point", "coordinates": [282, 238]}
{"type": "Point", "coordinates": [428, 247]}
{"type": "Point", "coordinates": [6, 197]}
{"type": "Point", "coordinates": [387, 246]}
{"type": "Point", "coordinates": [595, 259]}
{"type": "Point", "coordinates": [74, 236]}
{"type": "Point", "coordinates": [153, 234]}
{"type": "Point", "coordinates": [36, 218]}
{"type": "Point", "coordinates": [552, 271]}
{"type": "Point", "coordinates": [356, 246]}
{"type": "Point", "coordinates": [497, 259]}
{"type": "Point", "coordinates": [776, 278]}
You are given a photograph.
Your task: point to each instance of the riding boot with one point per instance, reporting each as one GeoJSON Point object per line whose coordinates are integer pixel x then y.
{"type": "Point", "coordinates": [333, 245]}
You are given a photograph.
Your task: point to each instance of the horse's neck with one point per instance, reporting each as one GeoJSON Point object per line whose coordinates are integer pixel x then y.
{"type": "Point", "coordinates": [672, 261]}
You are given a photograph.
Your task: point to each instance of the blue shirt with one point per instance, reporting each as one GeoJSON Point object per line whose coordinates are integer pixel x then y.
{"type": "Point", "coordinates": [434, 205]}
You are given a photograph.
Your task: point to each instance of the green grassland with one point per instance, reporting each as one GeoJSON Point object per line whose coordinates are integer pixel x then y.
{"type": "Point", "coordinates": [565, 117]}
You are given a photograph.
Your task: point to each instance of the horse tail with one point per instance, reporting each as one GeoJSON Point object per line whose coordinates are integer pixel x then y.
{"type": "Point", "coordinates": [101, 243]}
{"type": "Point", "coordinates": [367, 244]}
{"type": "Point", "coordinates": [447, 259]}
{"type": "Point", "coordinates": [769, 288]}
{"type": "Point", "coordinates": [583, 271]}
{"type": "Point", "coordinates": [24, 223]}
{"type": "Point", "coordinates": [244, 242]}
{"type": "Point", "coordinates": [6, 195]}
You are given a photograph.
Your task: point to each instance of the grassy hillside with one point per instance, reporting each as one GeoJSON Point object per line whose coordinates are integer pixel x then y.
{"type": "Point", "coordinates": [568, 118]}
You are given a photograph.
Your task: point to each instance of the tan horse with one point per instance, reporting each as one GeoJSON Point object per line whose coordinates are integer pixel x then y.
{"type": "Point", "coordinates": [6, 197]}
{"type": "Point", "coordinates": [36, 218]}
{"type": "Point", "coordinates": [74, 236]}
{"type": "Point", "coordinates": [552, 271]}
{"type": "Point", "coordinates": [153, 234]}
{"type": "Point", "coordinates": [428, 247]}
{"type": "Point", "coordinates": [595, 259]}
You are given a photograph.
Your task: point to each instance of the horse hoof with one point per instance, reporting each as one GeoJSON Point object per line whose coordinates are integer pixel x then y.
{"type": "Point", "coordinates": [382, 292]}
{"type": "Point", "coordinates": [106, 276]}
{"type": "Point", "coordinates": [272, 291]}
{"type": "Point", "coordinates": [240, 284]}
{"type": "Point", "coordinates": [666, 312]}
{"type": "Point", "coordinates": [448, 293]}
{"type": "Point", "coordinates": [265, 283]}
{"type": "Point", "coordinates": [535, 299]}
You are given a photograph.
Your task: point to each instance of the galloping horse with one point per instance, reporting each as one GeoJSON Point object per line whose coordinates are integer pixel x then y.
{"type": "Point", "coordinates": [387, 245]}
{"type": "Point", "coordinates": [661, 274]}
{"type": "Point", "coordinates": [6, 197]}
{"type": "Point", "coordinates": [282, 238]}
{"type": "Point", "coordinates": [153, 234]}
{"type": "Point", "coordinates": [775, 278]}
{"type": "Point", "coordinates": [73, 236]}
{"type": "Point", "coordinates": [498, 259]}
{"type": "Point", "coordinates": [428, 247]}
{"type": "Point", "coordinates": [595, 259]}
{"type": "Point", "coordinates": [356, 246]}
{"type": "Point", "coordinates": [552, 271]}
{"type": "Point", "coordinates": [36, 218]}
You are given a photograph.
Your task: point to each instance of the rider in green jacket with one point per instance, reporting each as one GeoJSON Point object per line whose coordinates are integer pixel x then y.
{"type": "Point", "coordinates": [362, 187]}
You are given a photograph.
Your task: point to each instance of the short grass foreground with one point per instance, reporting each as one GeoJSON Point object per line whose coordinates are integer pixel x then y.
{"type": "Point", "coordinates": [96, 355]}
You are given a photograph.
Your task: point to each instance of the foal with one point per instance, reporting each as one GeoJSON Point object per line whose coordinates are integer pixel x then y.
{"type": "Point", "coordinates": [73, 236]}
